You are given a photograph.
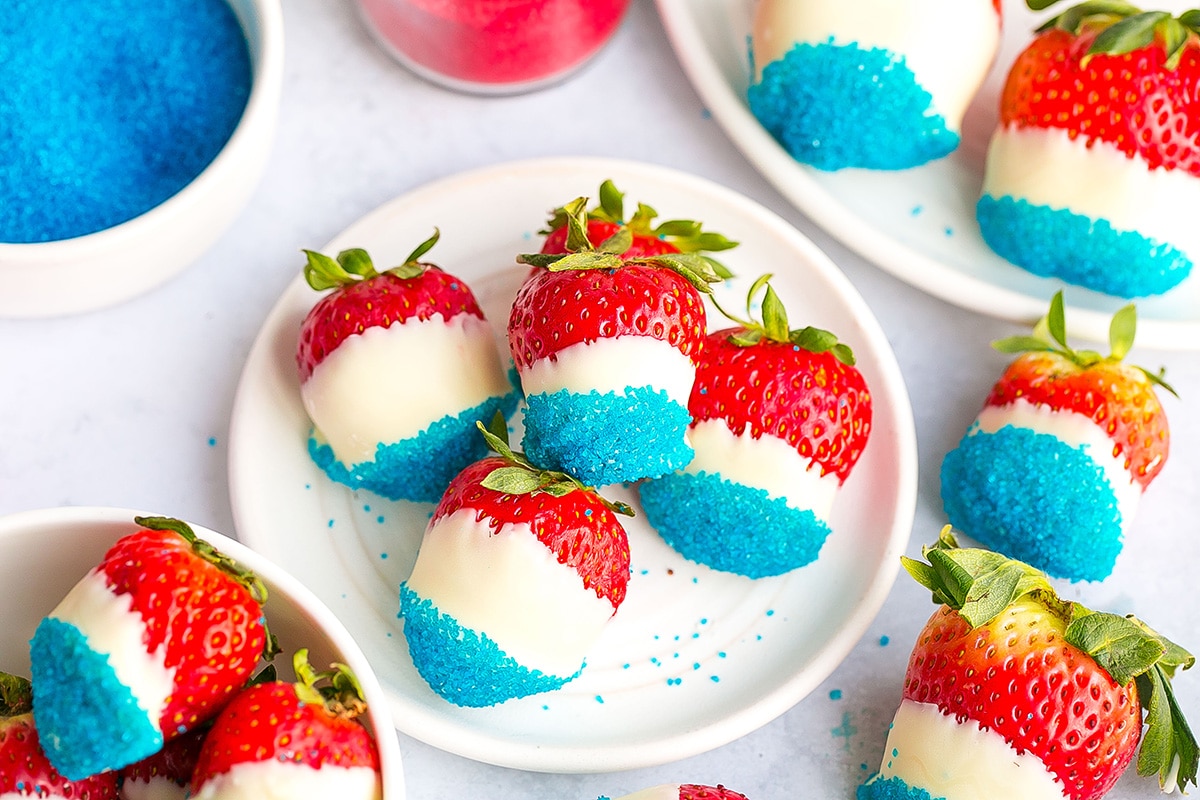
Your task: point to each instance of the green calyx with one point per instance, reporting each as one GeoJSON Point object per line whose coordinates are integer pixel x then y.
{"type": "Point", "coordinates": [1123, 28]}
{"type": "Point", "coordinates": [774, 326]}
{"type": "Point", "coordinates": [1050, 336]}
{"type": "Point", "coordinates": [206, 551]}
{"type": "Point", "coordinates": [355, 265]}
{"type": "Point", "coordinates": [522, 477]}
{"type": "Point", "coordinates": [699, 270]}
{"type": "Point", "coordinates": [16, 695]}
{"type": "Point", "coordinates": [337, 688]}
{"type": "Point", "coordinates": [981, 584]}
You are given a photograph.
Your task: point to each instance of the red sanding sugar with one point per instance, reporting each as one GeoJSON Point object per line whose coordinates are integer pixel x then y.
{"type": "Point", "coordinates": [494, 44]}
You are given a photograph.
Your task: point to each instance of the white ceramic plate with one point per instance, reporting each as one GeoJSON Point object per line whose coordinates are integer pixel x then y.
{"type": "Point", "coordinates": [918, 224]}
{"type": "Point", "coordinates": [44, 553]}
{"type": "Point", "coordinates": [693, 659]}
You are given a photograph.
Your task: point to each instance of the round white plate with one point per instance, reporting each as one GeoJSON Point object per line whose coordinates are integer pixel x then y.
{"type": "Point", "coordinates": [693, 658]}
{"type": "Point", "coordinates": [918, 224]}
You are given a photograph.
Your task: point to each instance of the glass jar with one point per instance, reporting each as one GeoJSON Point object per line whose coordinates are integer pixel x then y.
{"type": "Point", "coordinates": [493, 46]}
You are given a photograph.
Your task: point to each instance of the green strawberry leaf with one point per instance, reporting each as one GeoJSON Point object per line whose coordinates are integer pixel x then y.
{"type": "Point", "coordinates": [1122, 331]}
{"type": "Point", "coordinates": [16, 695]}
{"type": "Point", "coordinates": [1056, 320]}
{"type": "Point", "coordinates": [774, 315]}
{"type": "Point", "coordinates": [707, 240]}
{"type": "Point", "coordinates": [618, 243]}
{"type": "Point", "coordinates": [576, 219]}
{"type": "Point", "coordinates": [747, 338]}
{"type": "Point", "coordinates": [1191, 19]}
{"type": "Point", "coordinates": [322, 272]}
{"type": "Point", "coordinates": [1118, 644]}
{"type": "Point", "coordinates": [1022, 344]}
{"type": "Point", "coordinates": [612, 203]}
{"type": "Point", "coordinates": [423, 248]}
{"type": "Point", "coordinates": [683, 228]}
{"type": "Point", "coordinates": [1131, 33]}
{"type": "Point", "coordinates": [1175, 37]}
{"type": "Point", "coordinates": [356, 262]}
{"type": "Point", "coordinates": [1168, 745]}
{"type": "Point", "coordinates": [512, 480]}
{"type": "Point", "coordinates": [1072, 19]}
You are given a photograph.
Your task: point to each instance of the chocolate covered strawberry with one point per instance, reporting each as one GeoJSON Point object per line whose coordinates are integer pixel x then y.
{"type": "Point", "coordinates": [1093, 173]}
{"type": "Point", "coordinates": [396, 366]}
{"type": "Point", "coordinates": [518, 573]}
{"type": "Point", "coordinates": [149, 644]}
{"type": "Point", "coordinates": [646, 238]}
{"type": "Point", "coordinates": [685, 791]}
{"type": "Point", "coordinates": [1052, 469]}
{"type": "Point", "coordinates": [283, 740]}
{"type": "Point", "coordinates": [24, 769]}
{"type": "Point", "coordinates": [606, 349]}
{"type": "Point", "coordinates": [1013, 692]}
{"type": "Point", "coordinates": [780, 417]}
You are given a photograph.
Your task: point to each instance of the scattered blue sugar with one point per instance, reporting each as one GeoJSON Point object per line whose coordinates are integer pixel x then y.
{"type": "Point", "coordinates": [418, 469]}
{"type": "Point", "coordinates": [110, 107]}
{"type": "Point", "coordinates": [607, 438]}
{"type": "Point", "coordinates": [87, 719]}
{"type": "Point", "coordinates": [731, 527]}
{"type": "Point", "coordinates": [835, 694]}
{"type": "Point", "coordinates": [845, 731]}
{"type": "Point", "coordinates": [891, 789]}
{"type": "Point", "coordinates": [212, 441]}
{"type": "Point", "coordinates": [464, 666]}
{"type": "Point", "coordinates": [884, 641]}
{"type": "Point", "coordinates": [835, 106]}
{"type": "Point", "coordinates": [1078, 249]}
{"type": "Point", "coordinates": [1032, 497]}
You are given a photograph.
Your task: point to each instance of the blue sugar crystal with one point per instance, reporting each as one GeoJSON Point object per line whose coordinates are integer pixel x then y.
{"type": "Point", "coordinates": [608, 438]}
{"type": "Point", "coordinates": [891, 789]}
{"type": "Point", "coordinates": [86, 718]}
{"type": "Point", "coordinates": [418, 469]}
{"type": "Point", "coordinates": [110, 107]}
{"type": "Point", "coordinates": [464, 666]}
{"type": "Point", "coordinates": [835, 106]}
{"type": "Point", "coordinates": [1032, 497]}
{"type": "Point", "coordinates": [1078, 249]}
{"type": "Point", "coordinates": [729, 526]}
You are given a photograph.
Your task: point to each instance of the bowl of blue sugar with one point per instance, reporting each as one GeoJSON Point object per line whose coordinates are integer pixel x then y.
{"type": "Point", "coordinates": [132, 134]}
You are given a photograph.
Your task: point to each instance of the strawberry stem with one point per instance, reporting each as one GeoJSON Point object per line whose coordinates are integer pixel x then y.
{"type": "Point", "coordinates": [16, 695]}
{"type": "Point", "coordinates": [341, 694]}
{"type": "Point", "coordinates": [355, 265]}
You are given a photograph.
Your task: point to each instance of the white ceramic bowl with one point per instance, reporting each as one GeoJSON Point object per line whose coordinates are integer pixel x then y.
{"type": "Point", "coordinates": [44, 553]}
{"type": "Point", "coordinates": [69, 276]}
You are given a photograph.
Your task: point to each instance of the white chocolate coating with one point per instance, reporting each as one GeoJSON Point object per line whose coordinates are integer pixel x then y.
{"type": "Point", "coordinates": [613, 366]}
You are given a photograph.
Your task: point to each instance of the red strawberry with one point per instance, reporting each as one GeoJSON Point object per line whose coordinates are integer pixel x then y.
{"type": "Point", "coordinates": [780, 417]}
{"type": "Point", "coordinates": [1128, 78]}
{"type": "Point", "coordinates": [646, 239]}
{"type": "Point", "coordinates": [1097, 153]}
{"type": "Point", "coordinates": [366, 298]}
{"type": "Point", "coordinates": [1046, 677]}
{"type": "Point", "coordinates": [282, 739]}
{"type": "Point", "coordinates": [395, 368]}
{"type": "Point", "coordinates": [606, 349]}
{"type": "Point", "coordinates": [1066, 443]}
{"type": "Point", "coordinates": [167, 773]}
{"type": "Point", "coordinates": [151, 643]}
{"type": "Point", "coordinates": [686, 791]}
{"type": "Point", "coordinates": [24, 769]}
{"type": "Point", "coordinates": [518, 573]}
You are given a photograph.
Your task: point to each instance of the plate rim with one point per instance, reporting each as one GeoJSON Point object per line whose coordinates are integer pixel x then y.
{"type": "Point", "coordinates": [893, 256]}
{"type": "Point", "coordinates": [547, 757]}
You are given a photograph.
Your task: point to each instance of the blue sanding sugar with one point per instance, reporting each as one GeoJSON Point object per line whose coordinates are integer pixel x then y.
{"type": "Point", "coordinates": [729, 526]}
{"type": "Point", "coordinates": [464, 666]}
{"type": "Point", "coordinates": [1032, 497]}
{"type": "Point", "coordinates": [835, 106]}
{"type": "Point", "coordinates": [418, 469]}
{"type": "Point", "coordinates": [1078, 249]}
{"type": "Point", "coordinates": [86, 718]}
{"type": "Point", "coordinates": [607, 438]}
{"type": "Point", "coordinates": [891, 789]}
{"type": "Point", "coordinates": [110, 107]}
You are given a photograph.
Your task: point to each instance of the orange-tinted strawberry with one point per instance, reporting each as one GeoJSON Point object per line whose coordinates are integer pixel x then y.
{"type": "Point", "coordinates": [151, 643]}
{"type": "Point", "coordinates": [1009, 683]}
{"type": "Point", "coordinates": [301, 739]}
{"type": "Point", "coordinates": [24, 769]}
{"type": "Point", "coordinates": [518, 573]}
{"type": "Point", "coordinates": [1068, 440]}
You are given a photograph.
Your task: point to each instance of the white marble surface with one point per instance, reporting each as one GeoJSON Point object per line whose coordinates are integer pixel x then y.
{"type": "Point", "coordinates": [130, 406]}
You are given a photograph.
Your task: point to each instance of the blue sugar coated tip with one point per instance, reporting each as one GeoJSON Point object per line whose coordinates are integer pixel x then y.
{"type": "Point", "coordinates": [418, 469]}
{"type": "Point", "coordinates": [836, 106]}
{"type": "Point", "coordinates": [86, 718]}
{"type": "Point", "coordinates": [602, 439]}
{"type": "Point", "coordinates": [891, 789]}
{"type": "Point", "coordinates": [1032, 497]}
{"type": "Point", "coordinates": [1078, 249]}
{"type": "Point", "coordinates": [464, 666]}
{"type": "Point", "coordinates": [731, 527]}
{"type": "Point", "coordinates": [110, 107]}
